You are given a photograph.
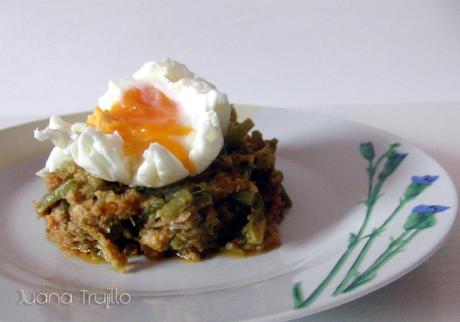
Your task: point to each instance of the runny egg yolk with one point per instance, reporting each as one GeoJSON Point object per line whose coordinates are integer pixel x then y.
{"type": "Point", "coordinates": [144, 116]}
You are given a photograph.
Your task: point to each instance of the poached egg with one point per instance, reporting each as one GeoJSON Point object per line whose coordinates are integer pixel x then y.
{"type": "Point", "coordinates": [154, 128]}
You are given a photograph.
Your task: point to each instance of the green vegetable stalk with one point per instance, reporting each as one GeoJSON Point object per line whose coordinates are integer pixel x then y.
{"type": "Point", "coordinates": [238, 132]}
{"type": "Point", "coordinates": [59, 193]}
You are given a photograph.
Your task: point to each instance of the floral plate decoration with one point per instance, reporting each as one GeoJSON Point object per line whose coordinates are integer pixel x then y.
{"type": "Point", "coordinates": [421, 217]}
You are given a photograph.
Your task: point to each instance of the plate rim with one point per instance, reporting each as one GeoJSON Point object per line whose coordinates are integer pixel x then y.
{"type": "Point", "coordinates": [302, 312]}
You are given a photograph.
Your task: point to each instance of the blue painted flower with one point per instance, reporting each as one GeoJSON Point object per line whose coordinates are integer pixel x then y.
{"type": "Point", "coordinates": [398, 156]}
{"type": "Point", "coordinates": [418, 185]}
{"type": "Point", "coordinates": [394, 159]}
{"type": "Point", "coordinates": [423, 217]}
{"type": "Point", "coordinates": [424, 180]}
{"type": "Point", "coordinates": [429, 209]}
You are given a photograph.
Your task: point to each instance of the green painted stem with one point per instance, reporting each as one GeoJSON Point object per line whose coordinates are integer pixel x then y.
{"type": "Point", "coordinates": [353, 272]}
{"type": "Point", "coordinates": [398, 245]}
{"type": "Point", "coordinates": [373, 193]}
{"type": "Point", "coordinates": [317, 292]}
{"type": "Point", "coordinates": [389, 253]}
{"type": "Point", "coordinates": [372, 197]}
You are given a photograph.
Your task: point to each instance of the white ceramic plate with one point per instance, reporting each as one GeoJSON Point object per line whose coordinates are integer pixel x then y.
{"type": "Point", "coordinates": [326, 177]}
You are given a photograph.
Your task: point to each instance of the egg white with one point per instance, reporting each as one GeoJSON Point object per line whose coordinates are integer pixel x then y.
{"type": "Point", "coordinates": [202, 107]}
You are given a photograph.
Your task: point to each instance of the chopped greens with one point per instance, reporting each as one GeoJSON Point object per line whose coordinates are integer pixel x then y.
{"type": "Point", "coordinates": [235, 205]}
{"type": "Point", "coordinates": [53, 197]}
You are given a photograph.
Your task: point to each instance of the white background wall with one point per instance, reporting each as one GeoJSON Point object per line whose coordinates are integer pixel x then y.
{"type": "Point", "coordinates": [57, 56]}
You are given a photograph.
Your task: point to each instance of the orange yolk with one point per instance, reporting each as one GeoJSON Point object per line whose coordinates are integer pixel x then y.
{"type": "Point", "coordinates": [144, 116]}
